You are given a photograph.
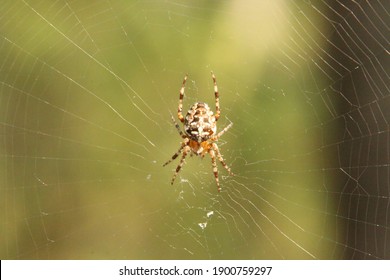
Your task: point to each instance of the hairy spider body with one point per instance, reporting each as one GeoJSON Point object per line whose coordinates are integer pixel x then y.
{"type": "Point", "coordinates": [200, 133]}
{"type": "Point", "coordinates": [200, 123]}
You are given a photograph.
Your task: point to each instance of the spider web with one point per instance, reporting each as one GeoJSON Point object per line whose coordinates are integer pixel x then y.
{"type": "Point", "coordinates": [86, 93]}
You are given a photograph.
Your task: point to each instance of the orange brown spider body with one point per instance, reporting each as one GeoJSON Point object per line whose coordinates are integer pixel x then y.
{"type": "Point", "coordinates": [199, 137]}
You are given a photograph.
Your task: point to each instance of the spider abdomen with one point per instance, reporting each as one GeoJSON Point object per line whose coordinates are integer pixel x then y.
{"type": "Point", "coordinates": [200, 123]}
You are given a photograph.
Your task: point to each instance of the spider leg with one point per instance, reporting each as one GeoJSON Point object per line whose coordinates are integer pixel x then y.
{"type": "Point", "coordinates": [217, 110]}
{"type": "Point", "coordinates": [215, 168]}
{"type": "Point", "coordinates": [180, 108]}
{"type": "Point", "coordinates": [216, 137]}
{"type": "Point", "coordinates": [178, 128]}
{"type": "Point", "coordinates": [183, 144]}
{"type": "Point", "coordinates": [220, 158]}
{"type": "Point", "coordinates": [186, 150]}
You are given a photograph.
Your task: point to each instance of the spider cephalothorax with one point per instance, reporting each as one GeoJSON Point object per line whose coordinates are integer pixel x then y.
{"type": "Point", "coordinates": [200, 128]}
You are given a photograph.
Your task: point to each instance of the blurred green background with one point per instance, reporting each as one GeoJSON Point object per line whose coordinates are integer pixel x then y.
{"type": "Point", "coordinates": [87, 89]}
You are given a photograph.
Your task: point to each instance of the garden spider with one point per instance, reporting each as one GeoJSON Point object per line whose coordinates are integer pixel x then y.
{"type": "Point", "coordinates": [199, 137]}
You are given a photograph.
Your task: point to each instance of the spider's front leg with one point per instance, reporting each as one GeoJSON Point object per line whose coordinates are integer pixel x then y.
{"type": "Point", "coordinates": [220, 158]}
{"type": "Point", "coordinates": [186, 150]}
{"type": "Point", "coordinates": [174, 156]}
{"type": "Point", "coordinates": [183, 144]}
{"type": "Point", "coordinates": [215, 168]}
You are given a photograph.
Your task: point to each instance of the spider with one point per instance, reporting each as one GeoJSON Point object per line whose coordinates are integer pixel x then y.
{"type": "Point", "coordinates": [200, 133]}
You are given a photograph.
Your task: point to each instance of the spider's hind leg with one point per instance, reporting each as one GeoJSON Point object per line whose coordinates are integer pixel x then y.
{"type": "Point", "coordinates": [178, 128]}
{"type": "Point", "coordinates": [181, 96]}
{"type": "Point", "coordinates": [217, 108]}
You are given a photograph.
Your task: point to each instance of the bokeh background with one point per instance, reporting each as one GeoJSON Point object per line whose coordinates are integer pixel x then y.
{"type": "Point", "coordinates": [86, 93]}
